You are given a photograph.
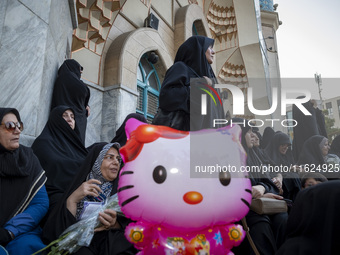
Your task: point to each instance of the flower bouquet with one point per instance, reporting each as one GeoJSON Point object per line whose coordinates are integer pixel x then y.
{"type": "Point", "coordinates": [81, 233]}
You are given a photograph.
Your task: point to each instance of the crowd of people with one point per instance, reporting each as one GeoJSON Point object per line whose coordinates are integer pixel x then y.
{"type": "Point", "coordinates": [48, 187]}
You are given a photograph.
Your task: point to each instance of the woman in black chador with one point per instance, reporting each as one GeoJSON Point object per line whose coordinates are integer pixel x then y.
{"type": "Point", "coordinates": [60, 151]}
{"type": "Point", "coordinates": [267, 231]}
{"type": "Point", "coordinates": [313, 224]}
{"type": "Point", "coordinates": [70, 90]}
{"type": "Point", "coordinates": [280, 153]}
{"type": "Point", "coordinates": [307, 127]}
{"type": "Point", "coordinates": [192, 64]}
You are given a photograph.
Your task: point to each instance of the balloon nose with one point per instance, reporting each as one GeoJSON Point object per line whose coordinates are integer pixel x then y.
{"type": "Point", "coordinates": [193, 197]}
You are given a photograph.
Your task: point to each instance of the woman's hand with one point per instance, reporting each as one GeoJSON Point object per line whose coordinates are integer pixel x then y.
{"type": "Point", "coordinates": [88, 188]}
{"type": "Point", "coordinates": [257, 191]}
{"type": "Point", "coordinates": [272, 195]}
{"type": "Point", "coordinates": [278, 182]}
{"type": "Point", "coordinates": [108, 219]}
{"type": "Point", "coordinates": [88, 110]}
{"type": "Point", "coordinates": [208, 80]}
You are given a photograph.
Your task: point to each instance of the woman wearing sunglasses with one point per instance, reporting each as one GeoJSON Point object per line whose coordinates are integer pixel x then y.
{"type": "Point", "coordinates": [23, 196]}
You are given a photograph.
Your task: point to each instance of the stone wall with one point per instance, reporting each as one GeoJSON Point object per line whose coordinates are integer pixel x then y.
{"type": "Point", "coordinates": [35, 38]}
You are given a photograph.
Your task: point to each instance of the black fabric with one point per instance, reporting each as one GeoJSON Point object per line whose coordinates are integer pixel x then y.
{"type": "Point", "coordinates": [335, 146]}
{"type": "Point", "coordinates": [190, 64]}
{"type": "Point", "coordinates": [272, 150]}
{"type": "Point", "coordinates": [291, 183]}
{"type": "Point", "coordinates": [314, 222]}
{"type": "Point", "coordinates": [60, 152]}
{"type": "Point", "coordinates": [5, 237]}
{"type": "Point", "coordinates": [320, 119]}
{"type": "Point", "coordinates": [120, 136]}
{"type": "Point", "coordinates": [306, 127]}
{"type": "Point", "coordinates": [253, 160]}
{"type": "Point", "coordinates": [70, 90]}
{"type": "Point", "coordinates": [21, 176]}
{"type": "Point", "coordinates": [311, 153]}
{"type": "Point", "coordinates": [268, 134]}
{"type": "Point", "coordinates": [267, 232]}
{"type": "Point", "coordinates": [113, 241]}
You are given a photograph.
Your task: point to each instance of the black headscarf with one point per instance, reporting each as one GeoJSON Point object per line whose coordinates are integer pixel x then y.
{"type": "Point", "coordinates": [314, 222]}
{"type": "Point", "coordinates": [253, 160]}
{"type": "Point", "coordinates": [307, 127]}
{"type": "Point", "coordinates": [60, 218]}
{"type": "Point", "coordinates": [190, 64]}
{"type": "Point", "coordinates": [121, 134]}
{"type": "Point", "coordinates": [272, 150]}
{"type": "Point", "coordinates": [21, 176]}
{"type": "Point", "coordinates": [291, 181]}
{"type": "Point", "coordinates": [70, 90]}
{"type": "Point", "coordinates": [192, 53]}
{"type": "Point", "coordinates": [268, 134]}
{"type": "Point", "coordinates": [335, 146]}
{"type": "Point", "coordinates": [60, 152]}
{"type": "Point", "coordinates": [311, 153]}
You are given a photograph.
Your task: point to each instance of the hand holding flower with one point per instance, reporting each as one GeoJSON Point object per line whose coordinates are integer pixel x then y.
{"type": "Point", "coordinates": [108, 220]}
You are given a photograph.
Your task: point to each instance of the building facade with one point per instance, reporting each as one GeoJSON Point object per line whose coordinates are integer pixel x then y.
{"type": "Point", "coordinates": [117, 42]}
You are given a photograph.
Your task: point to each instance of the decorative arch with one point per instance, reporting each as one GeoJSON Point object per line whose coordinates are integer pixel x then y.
{"type": "Point", "coordinates": [123, 56]}
{"type": "Point", "coordinates": [184, 19]}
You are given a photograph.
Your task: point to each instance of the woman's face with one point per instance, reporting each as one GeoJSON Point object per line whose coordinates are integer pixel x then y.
{"type": "Point", "coordinates": [325, 149]}
{"type": "Point", "coordinates": [69, 117]}
{"type": "Point", "coordinates": [310, 182]}
{"type": "Point", "coordinates": [250, 138]}
{"type": "Point", "coordinates": [209, 54]}
{"type": "Point", "coordinates": [256, 140]}
{"type": "Point", "coordinates": [111, 164]}
{"type": "Point", "coordinates": [283, 148]}
{"type": "Point", "coordinates": [9, 139]}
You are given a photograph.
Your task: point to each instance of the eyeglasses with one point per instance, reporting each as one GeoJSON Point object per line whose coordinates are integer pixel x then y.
{"type": "Point", "coordinates": [11, 126]}
{"type": "Point", "coordinates": [111, 158]}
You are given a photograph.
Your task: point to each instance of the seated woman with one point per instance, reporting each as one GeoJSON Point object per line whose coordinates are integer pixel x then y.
{"type": "Point", "coordinates": [96, 180]}
{"type": "Point", "coordinates": [312, 179]}
{"type": "Point", "coordinates": [267, 231]}
{"type": "Point", "coordinates": [60, 151]}
{"type": "Point", "coordinates": [315, 157]}
{"type": "Point", "coordinates": [313, 224]}
{"type": "Point", "coordinates": [23, 196]}
{"type": "Point", "coordinates": [279, 151]}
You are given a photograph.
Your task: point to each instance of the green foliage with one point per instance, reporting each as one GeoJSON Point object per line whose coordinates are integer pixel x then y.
{"type": "Point", "coordinates": [332, 131]}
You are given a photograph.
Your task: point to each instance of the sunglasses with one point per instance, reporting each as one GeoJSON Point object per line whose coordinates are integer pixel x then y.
{"type": "Point", "coordinates": [11, 126]}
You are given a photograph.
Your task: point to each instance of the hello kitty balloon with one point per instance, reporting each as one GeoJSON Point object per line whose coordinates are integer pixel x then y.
{"type": "Point", "coordinates": [183, 189]}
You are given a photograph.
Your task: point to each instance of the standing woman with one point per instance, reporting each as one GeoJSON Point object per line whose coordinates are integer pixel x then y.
{"type": "Point", "coordinates": [307, 127]}
{"type": "Point", "coordinates": [60, 151]}
{"type": "Point", "coordinates": [70, 90]}
{"type": "Point", "coordinates": [23, 196]}
{"type": "Point", "coordinates": [193, 60]}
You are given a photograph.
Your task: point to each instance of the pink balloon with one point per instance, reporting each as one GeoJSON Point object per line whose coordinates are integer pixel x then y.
{"type": "Point", "coordinates": [185, 190]}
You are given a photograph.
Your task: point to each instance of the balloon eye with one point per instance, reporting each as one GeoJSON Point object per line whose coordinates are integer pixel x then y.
{"type": "Point", "coordinates": [224, 178]}
{"type": "Point", "coordinates": [159, 174]}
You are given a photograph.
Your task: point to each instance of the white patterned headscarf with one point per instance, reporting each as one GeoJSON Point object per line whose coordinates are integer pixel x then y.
{"type": "Point", "coordinates": [95, 173]}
